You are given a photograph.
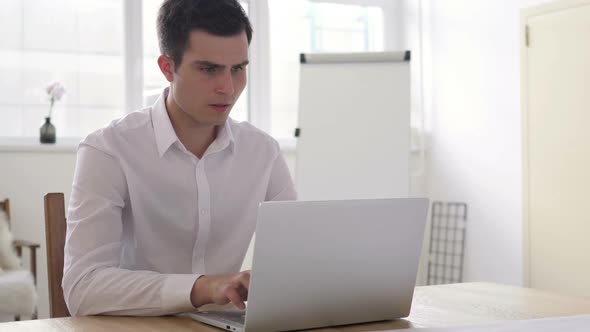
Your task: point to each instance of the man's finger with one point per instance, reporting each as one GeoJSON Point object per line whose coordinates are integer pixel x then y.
{"type": "Point", "coordinates": [243, 293]}
{"type": "Point", "coordinates": [234, 297]}
{"type": "Point", "coordinates": [244, 279]}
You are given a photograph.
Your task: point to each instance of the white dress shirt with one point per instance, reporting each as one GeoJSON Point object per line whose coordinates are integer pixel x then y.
{"type": "Point", "coordinates": [147, 218]}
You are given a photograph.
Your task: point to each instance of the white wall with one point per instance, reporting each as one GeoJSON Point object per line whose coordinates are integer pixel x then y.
{"type": "Point", "coordinates": [472, 81]}
{"type": "Point", "coordinates": [25, 177]}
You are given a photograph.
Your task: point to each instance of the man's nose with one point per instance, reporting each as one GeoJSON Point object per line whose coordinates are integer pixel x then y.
{"type": "Point", "coordinates": [225, 84]}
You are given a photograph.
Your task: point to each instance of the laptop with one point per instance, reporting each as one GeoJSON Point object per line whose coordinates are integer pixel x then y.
{"type": "Point", "coordinates": [328, 263]}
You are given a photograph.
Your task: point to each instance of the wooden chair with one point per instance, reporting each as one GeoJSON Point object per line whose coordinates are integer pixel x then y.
{"type": "Point", "coordinates": [19, 245]}
{"type": "Point", "coordinates": [55, 232]}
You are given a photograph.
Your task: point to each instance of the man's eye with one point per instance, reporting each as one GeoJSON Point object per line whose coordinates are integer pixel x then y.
{"type": "Point", "coordinates": [238, 68]}
{"type": "Point", "coordinates": [208, 70]}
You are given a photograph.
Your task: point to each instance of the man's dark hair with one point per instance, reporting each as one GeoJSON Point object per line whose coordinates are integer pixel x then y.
{"type": "Point", "coordinates": [178, 18]}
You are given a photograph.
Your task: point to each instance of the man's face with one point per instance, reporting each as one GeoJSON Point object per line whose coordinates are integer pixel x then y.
{"type": "Point", "coordinates": [211, 76]}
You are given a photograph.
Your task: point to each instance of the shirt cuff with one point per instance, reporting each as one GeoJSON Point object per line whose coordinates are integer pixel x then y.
{"type": "Point", "coordinates": [176, 293]}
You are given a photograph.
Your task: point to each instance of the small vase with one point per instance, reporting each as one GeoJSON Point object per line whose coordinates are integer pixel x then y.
{"type": "Point", "coordinates": [47, 132]}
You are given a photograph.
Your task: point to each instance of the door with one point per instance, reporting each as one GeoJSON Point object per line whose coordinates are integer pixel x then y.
{"type": "Point", "coordinates": [556, 146]}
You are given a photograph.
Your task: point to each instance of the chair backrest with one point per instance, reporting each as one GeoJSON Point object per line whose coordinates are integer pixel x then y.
{"type": "Point", "coordinates": [55, 233]}
{"type": "Point", "coordinates": [5, 206]}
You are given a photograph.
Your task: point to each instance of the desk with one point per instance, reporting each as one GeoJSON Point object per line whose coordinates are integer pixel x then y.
{"type": "Point", "coordinates": [433, 306]}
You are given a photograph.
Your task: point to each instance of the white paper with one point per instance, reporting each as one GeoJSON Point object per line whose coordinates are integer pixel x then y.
{"type": "Point", "coordinates": [557, 324]}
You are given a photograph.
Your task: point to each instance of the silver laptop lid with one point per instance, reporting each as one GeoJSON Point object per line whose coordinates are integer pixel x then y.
{"type": "Point", "coordinates": [326, 263]}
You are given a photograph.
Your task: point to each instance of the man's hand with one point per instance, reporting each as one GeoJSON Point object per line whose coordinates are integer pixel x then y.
{"type": "Point", "coordinates": [221, 290]}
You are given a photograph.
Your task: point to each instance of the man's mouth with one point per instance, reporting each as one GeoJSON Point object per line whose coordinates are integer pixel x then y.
{"type": "Point", "coordinates": [220, 107]}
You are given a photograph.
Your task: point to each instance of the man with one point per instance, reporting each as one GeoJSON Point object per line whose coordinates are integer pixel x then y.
{"type": "Point", "coordinates": [164, 200]}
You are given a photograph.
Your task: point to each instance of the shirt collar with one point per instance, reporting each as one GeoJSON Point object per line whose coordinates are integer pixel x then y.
{"type": "Point", "coordinates": [224, 139]}
{"type": "Point", "coordinates": [163, 130]}
{"type": "Point", "coordinates": [166, 136]}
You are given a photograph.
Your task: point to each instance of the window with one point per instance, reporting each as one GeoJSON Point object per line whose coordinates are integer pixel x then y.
{"type": "Point", "coordinates": [302, 26]}
{"type": "Point", "coordinates": [153, 79]}
{"type": "Point", "coordinates": [82, 44]}
{"type": "Point", "coordinates": [74, 42]}
{"type": "Point", "coordinates": [344, 28]}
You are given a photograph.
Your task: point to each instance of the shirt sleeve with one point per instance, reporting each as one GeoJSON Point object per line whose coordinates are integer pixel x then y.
{"type": "Point", "coordinates": [280, 184]}
{"type": "Point", "coordinates": [93, 281]}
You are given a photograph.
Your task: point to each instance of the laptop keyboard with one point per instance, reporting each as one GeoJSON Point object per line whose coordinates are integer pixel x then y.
{"type": "Point", "coordinates": [227, 316]}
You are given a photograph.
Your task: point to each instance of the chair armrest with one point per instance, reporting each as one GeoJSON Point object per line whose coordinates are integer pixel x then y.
{"type": "Point", "coordinates": [25, 243]}
{"type": "Point", "coordinates": [19, 245]}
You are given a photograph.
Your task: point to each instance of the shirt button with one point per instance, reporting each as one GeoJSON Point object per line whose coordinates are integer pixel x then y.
{"type": "Point", "coordinates": [204, 211]}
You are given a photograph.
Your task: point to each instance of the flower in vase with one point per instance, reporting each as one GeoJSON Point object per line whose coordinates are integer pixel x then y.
{"type": "Point", "coordinates": [55, 91]}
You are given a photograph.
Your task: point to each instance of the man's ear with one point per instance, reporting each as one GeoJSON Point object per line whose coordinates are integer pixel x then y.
{"type": "Point", "coordinates": [166, 67]}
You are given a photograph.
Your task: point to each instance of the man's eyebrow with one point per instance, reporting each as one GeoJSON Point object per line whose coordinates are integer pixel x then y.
{"type": "Point", "coordinates": [243, 63]}
{"type": "Point", "coordinates": [206, 63]}
{"type": "Point", "coordinates": [213, 64]}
